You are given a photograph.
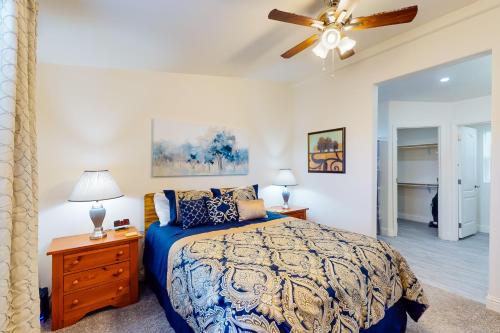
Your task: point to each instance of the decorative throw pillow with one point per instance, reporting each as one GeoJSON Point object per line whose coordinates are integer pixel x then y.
{"type": "Point", "coordinates": [176, 196]}
{"type": "Point", "coordinates": [239, 193]}
{"type": "Point", "coordinates": [193, 212]}
{"type": "Point", "coordinates": [251, 209]}
{"type": "Point", "coordinates": [222, 209]}
{"type": "Point", "coordinates": [162, 208]}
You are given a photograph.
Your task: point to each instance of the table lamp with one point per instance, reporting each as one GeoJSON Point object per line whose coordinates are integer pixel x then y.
{"type": "Point", "coordinates": [96, 186]}
{"type": "Point", "coordinates": [285, 178]}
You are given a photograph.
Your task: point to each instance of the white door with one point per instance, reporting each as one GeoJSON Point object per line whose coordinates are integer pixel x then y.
{"type": "Point", "coordinates": [468, 189]}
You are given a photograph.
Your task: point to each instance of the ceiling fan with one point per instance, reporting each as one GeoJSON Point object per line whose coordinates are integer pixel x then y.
{"type": "Point", "coordinates": [334, 21]}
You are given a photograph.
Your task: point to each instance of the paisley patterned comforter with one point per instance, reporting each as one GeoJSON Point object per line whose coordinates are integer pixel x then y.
{"type": "Point", "coordinates": [286, 275]}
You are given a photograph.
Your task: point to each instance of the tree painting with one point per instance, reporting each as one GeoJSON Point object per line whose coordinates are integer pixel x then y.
{"type": "Point", "coordinates": [187, 150]}
{"type": "Point", "coordinates": [327, 151]}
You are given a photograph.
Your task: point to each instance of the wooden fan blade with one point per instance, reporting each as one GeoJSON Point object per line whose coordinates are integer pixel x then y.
{"type": "Point", "coordinates": [300, 47]}
{"type": "Point", "coordinates": [404, 15]}
{"type": "Point", "coordinates": [346, 55]}
{"type": "Point", "coordinates": [278, 15]}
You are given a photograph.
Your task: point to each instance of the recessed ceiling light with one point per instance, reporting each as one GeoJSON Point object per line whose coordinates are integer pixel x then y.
{"type": "Point", "coordinates": [445, 79]}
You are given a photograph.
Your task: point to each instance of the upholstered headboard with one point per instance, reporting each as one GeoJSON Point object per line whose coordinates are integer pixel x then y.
{"type": "Point", "coordinates": [149, 211]}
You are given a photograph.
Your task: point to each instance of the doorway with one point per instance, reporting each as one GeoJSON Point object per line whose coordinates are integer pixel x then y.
{"type": "Point", "coordinates": [474, 172]}
{"type": "Point", "coordinates": [418, 178]}
{"type": "Point", "coordinates": [434, 138]}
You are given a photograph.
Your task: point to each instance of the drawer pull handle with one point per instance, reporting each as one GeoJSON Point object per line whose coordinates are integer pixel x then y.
{"type": "Point", "coordinates": [120, 253]}
{"type": "Point", "coordinates": [75, 302]}
{"type": "Point", "coordinates": [120, 288]}
{"type": "Point", "coordinates": [75, 282]}
{"type": "Point", "coordinates": [118, 272]}
{"type": "Point", "coordinates": [76, 262]}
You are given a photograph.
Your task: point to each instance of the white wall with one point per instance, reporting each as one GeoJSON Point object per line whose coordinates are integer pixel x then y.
{"type": "Point", "coordinates": [94, 118]}
{"type": "Point", "coordinates": [349, 99]}
{"type": "Point", "coordinates": [418, 136]}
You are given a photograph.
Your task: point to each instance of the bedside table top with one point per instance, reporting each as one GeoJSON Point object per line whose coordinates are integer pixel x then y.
{"type": "Point", "coordinates": [83, 241]}
{"type": "Point", "coordinates": [281, 210]}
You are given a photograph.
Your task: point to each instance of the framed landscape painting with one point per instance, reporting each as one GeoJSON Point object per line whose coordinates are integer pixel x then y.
{"type": "Point", "coordinates": [184, 149]}
{"type": "Point", "coordinates": [326, 151]}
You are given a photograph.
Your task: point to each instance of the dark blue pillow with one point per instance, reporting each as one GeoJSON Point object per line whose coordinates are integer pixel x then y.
{"type": "Point", "coordinates": [222, 209]}
{"type": "Point", "coordinates": [175, 197]}
{"type": "Point", "coordinates": [170, 194]}
{"type": "Point", "coordinates": [239, 193]}
{"type": "Point", "coordinates": [193, 212]}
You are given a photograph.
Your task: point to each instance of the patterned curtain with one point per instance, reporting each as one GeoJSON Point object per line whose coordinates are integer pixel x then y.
{"type": "Point", "coordinates": [19, 304]}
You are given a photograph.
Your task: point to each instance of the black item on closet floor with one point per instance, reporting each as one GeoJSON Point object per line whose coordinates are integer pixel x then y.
{"type": "Point", "coordinates": [435, 212]}
{"type": "Point", "coordinates": [44, 304]}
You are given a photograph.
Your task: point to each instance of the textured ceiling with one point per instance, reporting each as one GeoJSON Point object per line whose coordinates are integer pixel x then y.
{"type": "Point", "coordinates": [469, 78]}
{"type": "Point", "coordinates": [215, 37]}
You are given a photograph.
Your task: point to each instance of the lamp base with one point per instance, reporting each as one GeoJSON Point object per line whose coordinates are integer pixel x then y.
{"type": "Point", "coordinates": [286, 196]}
{"type": "Point", "coordinates": [98, 233]}
{"type": "Point", "coordinates": [97, 214]}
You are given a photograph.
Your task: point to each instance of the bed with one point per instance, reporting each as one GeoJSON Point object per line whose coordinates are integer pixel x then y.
{"type": "Point", "coordinates": [278, 274]}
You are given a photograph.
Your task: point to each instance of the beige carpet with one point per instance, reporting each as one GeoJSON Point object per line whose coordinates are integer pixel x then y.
{"type": "Point", "coordinates": [448, 314]}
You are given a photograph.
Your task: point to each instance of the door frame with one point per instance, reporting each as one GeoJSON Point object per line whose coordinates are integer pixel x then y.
{"type": "Point", "coordinates": [455, 132]}
{"type": "Point", "coordinates": [393, 175]}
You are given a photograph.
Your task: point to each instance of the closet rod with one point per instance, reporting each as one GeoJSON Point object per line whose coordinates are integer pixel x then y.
{"type": "Point", "coordinates": [418, 185]}
{"type": "Point", "coordinates": [423, 146]}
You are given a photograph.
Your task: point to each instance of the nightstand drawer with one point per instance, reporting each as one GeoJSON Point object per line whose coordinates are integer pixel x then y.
{"type": "Point", "coordinates": [86, 279]}
{"type": "Point", "coordinates": [107, 294]}
{"type": "Point", "coordinates": [92, 274]}
{"type": "Point", "coordinates": [91, 259]}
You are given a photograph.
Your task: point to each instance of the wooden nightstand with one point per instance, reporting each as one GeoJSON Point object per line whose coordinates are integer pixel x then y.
{"type": "Point", "coordinates": [91, 274]}
{"type": "Point", "coordinates": [298, 212]}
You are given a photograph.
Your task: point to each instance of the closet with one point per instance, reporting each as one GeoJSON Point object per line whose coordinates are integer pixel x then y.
{"type": "Point", "coordinates": [418, 173]}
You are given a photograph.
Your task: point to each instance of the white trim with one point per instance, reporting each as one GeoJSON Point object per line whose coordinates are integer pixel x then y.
{"type": "Point", "coordinates": [493, 303]}
{"type": "Point", "coordinates": [446, 227]}
{"type": "Point", "coordinates": [385, 232]}
{"type": "Point", "coordinates": [484, 228]}
{"type": "Point", "coordinates": [414, 217]}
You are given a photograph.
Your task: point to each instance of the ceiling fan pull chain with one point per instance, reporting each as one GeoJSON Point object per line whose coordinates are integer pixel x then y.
{"type": "Point", "coordinates": [324, 65]}
{"type": "Point", "coordinates": [332, 74]}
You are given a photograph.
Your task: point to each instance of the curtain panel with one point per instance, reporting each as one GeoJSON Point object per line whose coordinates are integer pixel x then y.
{"type": "Point", "coordinates": [19, 303]}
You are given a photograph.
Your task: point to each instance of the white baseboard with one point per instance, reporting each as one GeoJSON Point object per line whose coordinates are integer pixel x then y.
{"type": "Point", "coordinates": [484, 228]}
{"type": "Point", "coordinates": [384, 231]}
{"type": "Point", "coordinates": [415, 218]}
{"type": "Point", "coordinates": [493, 303]}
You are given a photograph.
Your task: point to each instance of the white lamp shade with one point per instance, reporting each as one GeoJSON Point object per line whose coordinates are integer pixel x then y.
{"type": "Point", "coordinates": [321, 51]}
{"type": "Point", "coordinates": [346, 44]}
{"type": "Point", "coordinates": [95, 186]}
{"type": "Point", "coordinates": [285, 178]}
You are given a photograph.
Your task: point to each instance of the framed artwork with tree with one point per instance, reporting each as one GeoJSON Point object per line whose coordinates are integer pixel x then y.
{"type": "Point", "coordinates": [326, 151]}
{"type": "Point", "coordinates": [184, 149]}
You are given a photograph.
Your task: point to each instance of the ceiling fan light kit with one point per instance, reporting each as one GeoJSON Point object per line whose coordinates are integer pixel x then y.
{"type": "Point", "coordinates": [346, 45]}
{"type": "Point", "coordinates": [321, 51]}
{"type": "Point", "coordinates": [334, 21]}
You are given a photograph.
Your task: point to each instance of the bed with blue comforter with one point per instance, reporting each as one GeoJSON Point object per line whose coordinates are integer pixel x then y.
{"type": "Point", "coordinates": [279, 274]}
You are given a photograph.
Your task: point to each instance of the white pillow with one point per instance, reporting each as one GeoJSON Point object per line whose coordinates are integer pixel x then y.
{"type": "Point", "coordinates": [162, 208]}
